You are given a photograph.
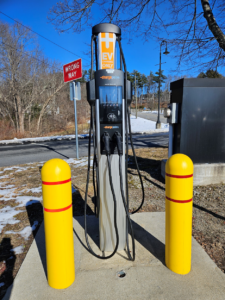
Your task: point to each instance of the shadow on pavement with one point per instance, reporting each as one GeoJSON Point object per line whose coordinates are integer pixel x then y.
{"type": "Point", "coordinates": [52, 149]}
{"type": "Point", "coordinates": [35, 213]}
{"type": "Point", "coordinates": [146, 239]}
{"type": "Point", "coordinates": [149, 242]}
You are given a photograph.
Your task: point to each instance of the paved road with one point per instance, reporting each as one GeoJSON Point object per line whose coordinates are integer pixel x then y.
{"type": "Point", "coordinates": [150, 116]}
{"type": "Point", "coordinates": [35, 152]}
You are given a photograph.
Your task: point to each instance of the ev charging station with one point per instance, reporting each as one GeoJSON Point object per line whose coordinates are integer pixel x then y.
{"type": "Point", "coordinates": [109, 94]}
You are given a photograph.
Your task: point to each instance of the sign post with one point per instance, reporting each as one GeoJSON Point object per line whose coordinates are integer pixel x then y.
{"type": "Point", "coordinates": [71, 72]}
{"type": "Point", "coordinates": [75, 95]}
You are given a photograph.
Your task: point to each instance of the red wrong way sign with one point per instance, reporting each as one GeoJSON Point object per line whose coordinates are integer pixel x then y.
{"type": "Point", "coordinates": [72, 70]}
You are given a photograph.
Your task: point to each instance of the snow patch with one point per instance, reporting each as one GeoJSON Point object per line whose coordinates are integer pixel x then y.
{"type": "Point", "coordinates": [26, 232]}
{"type": "Point", "coordinates": [78, 163]}
{"type": "Point", "coordinates": [23, 200]}
{"type": "Point", "coordinates": [142, 125]}
{"type": "Point", "coordinates": [6, 192]}
{"type": "Point", "coordinates": [5, 176]}
{"type": "Point", "coordinates": [8, 186]}
{"type": "Point", "coordinates": [20, 169]}
{"type": "Point", "coordinates": [35, 190]}
{"type": "Point", "coordinates": [18, 250]}
{"type": "Point", "coordinates": [41, 139]}
{"type": "Point", "coordinates": [7, 216]}
{"type": "Point", "coordinates": [11, 168]}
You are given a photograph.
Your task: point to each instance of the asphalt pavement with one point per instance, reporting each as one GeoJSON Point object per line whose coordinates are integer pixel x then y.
{"type": "Point", "coordinates": [36, 152]}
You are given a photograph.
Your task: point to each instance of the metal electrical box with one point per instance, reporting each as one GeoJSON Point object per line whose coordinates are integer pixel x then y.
{"type": "Point", "coordinates": [200, 128]}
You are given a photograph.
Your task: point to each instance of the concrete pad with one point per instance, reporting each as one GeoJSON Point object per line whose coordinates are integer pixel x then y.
{"type": "Point", "coordinates": [204, 174]}
{"type": "Point", "coordinates": [146, 278]}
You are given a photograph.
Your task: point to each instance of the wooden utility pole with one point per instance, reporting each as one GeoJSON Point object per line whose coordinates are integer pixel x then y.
{"type": "Point", "coordinates": [136, 95]}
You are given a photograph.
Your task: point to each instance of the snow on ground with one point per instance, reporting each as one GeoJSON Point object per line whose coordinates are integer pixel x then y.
{"type": "Point", "coordinates": [152, 112]}
{"type": "Point", "coordinates": [9, 192]}
{"type": "Point", "coordinates": [42, 139]}
{"type": "Point", "coordinates": [26, 232]}
{"type": "Point", "coordinates": [78, 163]}
{"type": "Point", "coordinates": [156, 112]}
{"type": "Point", "coordinates": [35, 190]}
{"type": "Point", "coordinates": [18, 250]}
{"type": "Point", "coordinates": [23, 200]}
{"type": "Point", "coordinates": [7, 214]}
{"type": "Point", "coordinates": [141, 125]}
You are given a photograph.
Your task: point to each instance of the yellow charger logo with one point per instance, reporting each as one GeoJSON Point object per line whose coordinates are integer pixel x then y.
{"type": "Point", "coordinates": [107, 50]}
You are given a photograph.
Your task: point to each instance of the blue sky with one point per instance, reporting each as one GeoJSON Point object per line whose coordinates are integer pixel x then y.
{"type": "Point", "coordinates": [140, 56]}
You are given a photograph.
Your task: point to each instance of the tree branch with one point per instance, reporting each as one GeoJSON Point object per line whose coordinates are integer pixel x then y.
{"type": "Point", "coordinates": [213, 26]}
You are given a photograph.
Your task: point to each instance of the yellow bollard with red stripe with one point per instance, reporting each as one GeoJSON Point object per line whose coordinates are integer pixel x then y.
{"type": "Point", "coordinates": [58, 222]}
{"type": "Point", "coordinates": [179, 194]}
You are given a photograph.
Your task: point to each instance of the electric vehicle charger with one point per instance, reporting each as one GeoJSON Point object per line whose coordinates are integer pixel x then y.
{"type": "Point", "coordinates": [110, 124]}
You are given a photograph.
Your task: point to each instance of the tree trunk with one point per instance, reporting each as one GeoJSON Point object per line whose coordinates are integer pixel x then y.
{"type": "Point", "coordinates": [29, 122]}
{"type": "Point", "coordinates": [20, 115]}
{"type": "Point", "coordinates": [21, 122]}
{"type": "Point", "coordinates": [213, 26]}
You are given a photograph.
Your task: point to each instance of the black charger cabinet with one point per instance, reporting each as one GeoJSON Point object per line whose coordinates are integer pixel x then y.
{"type": "Point", "coordinates": [200, 128]}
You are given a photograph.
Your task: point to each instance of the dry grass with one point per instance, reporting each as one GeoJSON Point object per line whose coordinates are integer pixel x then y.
{"type": "Point", "coordinates": [8, 132]}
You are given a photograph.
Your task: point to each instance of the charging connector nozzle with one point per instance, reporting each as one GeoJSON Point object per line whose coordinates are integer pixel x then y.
{"type": "Point", "coordinates": [106, 140]}
{"type": "Point", "coordinates": [119, 143]}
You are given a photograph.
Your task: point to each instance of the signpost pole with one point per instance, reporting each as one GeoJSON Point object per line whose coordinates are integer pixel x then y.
{"type": "Point", "coordinates": [75, 116]}
{"type": "Point", "coordinates": [135, 95]}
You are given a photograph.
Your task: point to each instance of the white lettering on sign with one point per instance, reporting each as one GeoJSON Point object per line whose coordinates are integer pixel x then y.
{"type": "Point", "coordinates": [105, 54]}
{"type": "Point", "coordinates": [107, 66]}
{"type": "Point", "coordinates": [72, 67]}
{"type": "Point", "coordinates": [72, 74]}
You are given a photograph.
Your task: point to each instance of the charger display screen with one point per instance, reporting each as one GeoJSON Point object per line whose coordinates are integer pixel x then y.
{"type": "Point", "coordinates": [110, 99]}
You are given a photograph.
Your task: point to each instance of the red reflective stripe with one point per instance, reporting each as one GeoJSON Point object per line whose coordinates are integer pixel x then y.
{"type": "Point", "coordinates": [179, 201]}
{"type": "Point", "coordinates": [57, 210]}
{"type": "Point", "coordinates": [56, 183]}
{"type": "Point", "coordinates": [179, 176]}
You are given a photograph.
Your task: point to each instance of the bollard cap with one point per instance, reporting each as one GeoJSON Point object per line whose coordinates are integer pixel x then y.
{"type": "Point", "coordinates": [179, 164]}
{"type": "Point", "coordinates": [55, 170]}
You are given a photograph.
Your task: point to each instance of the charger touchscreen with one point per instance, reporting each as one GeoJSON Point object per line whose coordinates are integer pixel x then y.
{"type": "Point", "coordinates": [110, 104]}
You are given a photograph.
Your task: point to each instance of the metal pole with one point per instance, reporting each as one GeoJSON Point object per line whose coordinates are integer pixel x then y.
{"type": "Point", "coordinates": [135, 95]}
{"type": "Point", "coordinates": [75, 116]}
{"type": "Point", "coordinates": [158, 123]}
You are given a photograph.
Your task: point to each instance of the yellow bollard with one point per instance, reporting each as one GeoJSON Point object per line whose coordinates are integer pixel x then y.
{"type": "Point", "coordinates": [58, 221]}
{"type": "Point", "coordinates": [179, 194]}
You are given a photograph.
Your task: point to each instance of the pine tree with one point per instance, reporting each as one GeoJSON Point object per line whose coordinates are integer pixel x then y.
{"type": "Point", "coordinates": [210, 74]}
{"type": "Point", "coordinates": [155, 78]}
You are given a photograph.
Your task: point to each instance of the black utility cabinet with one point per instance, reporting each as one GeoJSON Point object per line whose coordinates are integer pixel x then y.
{"type": "Point", "coordinates": [200, 130]}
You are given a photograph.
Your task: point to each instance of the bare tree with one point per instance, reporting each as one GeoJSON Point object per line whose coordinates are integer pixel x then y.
{"type": "Point", "coordinates": [54, 86]}
{"type": "Point", "coordinates": [18, 69]}
{"type": "Point", "coordinates": [27, 78]}
{"type": "Point", "coordinates": [197, 37]}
